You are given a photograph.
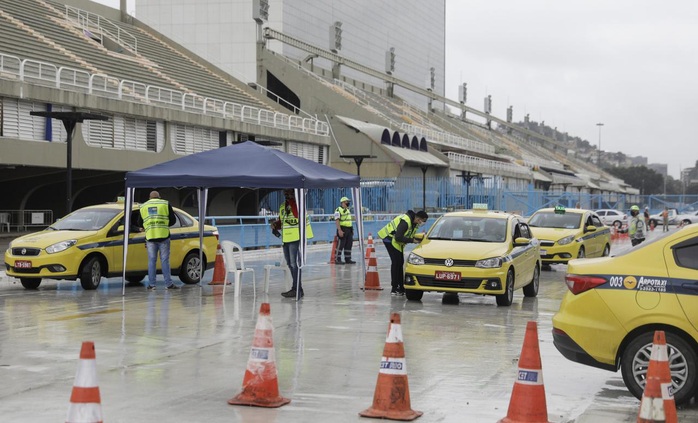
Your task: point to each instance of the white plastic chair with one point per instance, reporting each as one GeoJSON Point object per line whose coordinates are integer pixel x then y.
{"type": "Point", "coordinates": [4, 222]}
{"type": "Point", "coordinates": [279, 266]}
{"type": "Point", "coordinates": [235, 263]}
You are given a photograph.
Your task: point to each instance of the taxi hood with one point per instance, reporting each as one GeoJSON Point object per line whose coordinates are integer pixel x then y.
{"type": "Point", "coordinates": [46, 238]}
{"type": "Point", "coordinates": [553, 234]}
{"type": "Point", "coordinates": [462, 250]}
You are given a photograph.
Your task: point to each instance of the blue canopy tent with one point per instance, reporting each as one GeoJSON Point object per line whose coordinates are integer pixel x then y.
{"type": "Point", "coordinates": [246, 165]}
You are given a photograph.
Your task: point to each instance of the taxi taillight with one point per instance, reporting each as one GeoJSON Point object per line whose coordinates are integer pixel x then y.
{"type": "Point", "coordinates": [580, 283]}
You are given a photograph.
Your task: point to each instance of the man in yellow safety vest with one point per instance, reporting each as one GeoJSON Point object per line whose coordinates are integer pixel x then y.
{"type": "Point", "coordinates": [156, 217]}
{"type": "Point", "coordinates": [345, 232]}
{"type": "Point", "coordinates": [395, 235]}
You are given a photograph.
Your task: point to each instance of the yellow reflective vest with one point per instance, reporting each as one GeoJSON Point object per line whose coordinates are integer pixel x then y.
{"type": "Point", "coordinates": [156, 219]}
{"type": "Point", "coordinates": [289, 225]}
{"type": "Point", "coordinates": [389, 231]}
{"type": "Point", "coordinates": [344, 217]}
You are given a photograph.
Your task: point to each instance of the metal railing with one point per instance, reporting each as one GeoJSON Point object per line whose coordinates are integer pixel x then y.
{"type": "Point", "coordinates": [77, 80]}
{"type": "Point", "coordinates": [97, 24]}
{"type": "Point", "coordinates": [492, 166]}
{"type": "Point", "coordinates": [22, 220]}
{"type": "Point", "coordinates": [447, 139]}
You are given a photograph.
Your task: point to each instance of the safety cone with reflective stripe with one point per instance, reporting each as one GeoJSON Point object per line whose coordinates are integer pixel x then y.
{"type": "Point", "coordinates": [260, 386]}
{"type": "Point", "coordinates": [391, 399]}
{"type": "Point", "coordinates": [372, 280]}
{"type": "Point", "coordinates": [85, 402]}
{"type": "Point", "coordinates": [333, 257]}
{"type": "Point", "coordinates": [219, 274]}
{"type": "Point", "coordinates": [657, 404]}
{"type": "Point", "coordinates": [527, 403]}
{"type": "Point", "coordinates": [370, 248]}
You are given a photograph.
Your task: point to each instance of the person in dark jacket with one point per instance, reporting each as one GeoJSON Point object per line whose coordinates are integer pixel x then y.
{"type": "Point", "coordinates": [395, 235]}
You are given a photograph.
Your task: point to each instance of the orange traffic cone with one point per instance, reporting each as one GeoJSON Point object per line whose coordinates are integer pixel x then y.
{"type": "Point", "coordinates": [657, 403]}
{"type": "Point", "coordinates": [219, 274]}
{"type": "Point", "coordinates": [260, 386]}
{"type": "Point", "coordinates": [391, 399]}
{"type": "Point", "coordinates": [85, 402]}
{"type": "Point", "coordinates": [333, 257]}
{"type": "Point", "coordinates": [527, 403]}
{"type": "Point", "coordinates": [370, 248]}
{"type": "Point", "coordinates": [372, 280]}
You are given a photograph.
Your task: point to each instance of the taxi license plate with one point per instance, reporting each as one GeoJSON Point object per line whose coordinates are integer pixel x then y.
{"type": "Point", "coordinates": [447, 276]}
{"type": "Point", "coordinates": [23, 264]}
{"type": "Point", "coordinates": [543, 252]}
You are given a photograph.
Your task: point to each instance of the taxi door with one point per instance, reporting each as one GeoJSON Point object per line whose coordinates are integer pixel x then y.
{"type": "Point", "coordinates": [523, 262]}
{"type": "Point", "coordinates": [591, 240]}
{"type": "Point", "coordinates": [137, 254]}
{"type": "Point", "coordinates": [681, 257]}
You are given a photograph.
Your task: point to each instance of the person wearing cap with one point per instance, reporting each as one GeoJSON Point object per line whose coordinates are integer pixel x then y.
{"type": "Point", "coordinates": [636, 228]}
{"type": "Point", "coordinates": [288, 230]}
{"type": "Point", "coordinates": [155, 218]}
{"type": "Point", "coordinates": [345, 232]}
{"type": "Point", "coordinates": [395, 235]}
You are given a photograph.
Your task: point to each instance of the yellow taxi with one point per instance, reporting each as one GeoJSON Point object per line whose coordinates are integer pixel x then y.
{"type": "Point", "coordinates": [87, 244]}
{"type": "Point", "coordinates": [475, 251]}
{"type": "Point", "coordinates": [614, 305]}
{"type": "Point", "coordinates": [565, 234]}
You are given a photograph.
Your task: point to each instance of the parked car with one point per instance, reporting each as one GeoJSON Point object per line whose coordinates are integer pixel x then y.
{"type": "Point", "coordinates": [612, 217]}
{"type": "Point", "coordinates": [478, 252]}
{"type": "Point", "coordinates": [614, 305]}
{"type": "Point", "coordinates": [657, 219]}
{"type": "Point", "coordinates": [87, 244]}
{"type": "Point", "coordinates": [566, 234]}
{"type": "Point", "coordinates": [687, 218]}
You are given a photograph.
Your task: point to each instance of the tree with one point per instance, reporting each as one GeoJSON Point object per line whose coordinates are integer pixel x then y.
{"type": "Point", "coordinates": [643, 178]}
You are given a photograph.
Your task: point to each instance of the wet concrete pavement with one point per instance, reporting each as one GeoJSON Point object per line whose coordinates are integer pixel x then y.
{"type": "Point", "coordinates": [178, 356]}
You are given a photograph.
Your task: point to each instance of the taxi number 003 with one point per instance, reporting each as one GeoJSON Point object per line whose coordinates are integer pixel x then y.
{"type": "Point", "coordinates": [447, 276]}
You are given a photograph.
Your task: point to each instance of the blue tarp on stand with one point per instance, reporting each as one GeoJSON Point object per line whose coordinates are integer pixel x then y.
{"type": "Point", "coordinates": [246, 165]}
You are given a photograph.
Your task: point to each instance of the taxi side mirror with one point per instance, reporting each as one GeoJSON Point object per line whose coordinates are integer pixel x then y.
{"type": "Point", "coordinates": [590, 228]}
{"type": "Point", "coordinates": [419, 237]}
{"type": "Point", "coordinates": [521, 242]}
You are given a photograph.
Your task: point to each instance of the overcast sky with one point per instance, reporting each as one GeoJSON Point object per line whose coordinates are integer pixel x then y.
{"type": "Point", "coordinates": [629, 64]}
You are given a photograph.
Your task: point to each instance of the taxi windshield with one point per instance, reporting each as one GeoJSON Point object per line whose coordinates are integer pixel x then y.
{"type": "Point", "coordinates": [85, 220]}
{"type": "Point", "coordinates": [469, 228]}
{"type": "Point", "coordinates": [555, 220]}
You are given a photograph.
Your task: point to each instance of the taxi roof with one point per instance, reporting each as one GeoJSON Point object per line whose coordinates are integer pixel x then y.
{"type": "Point", "coordinates": [497, 214]}
{"type": "Point", "coordinates": [570, 210]}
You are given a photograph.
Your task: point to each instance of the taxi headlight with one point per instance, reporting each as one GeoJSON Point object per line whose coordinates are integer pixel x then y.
{"type": "Point", "coordinates": [61, 246]}
{"type": "Point", "coordinates": [415, 259]}
{"type": "Point", "coordinates": [490, 263]}
{"type": "Point", "coordinates": [566, 240]}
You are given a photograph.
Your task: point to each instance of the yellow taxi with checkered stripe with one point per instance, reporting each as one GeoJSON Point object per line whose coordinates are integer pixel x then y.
{"type": "Point", "coordinates": [614, 305]}
{"type": "Point", "coordinates": [565, 234]}
{"type": "Point", "coordinates": [87, 244]}
{"type": "Point", "coordinates": [478, 252]}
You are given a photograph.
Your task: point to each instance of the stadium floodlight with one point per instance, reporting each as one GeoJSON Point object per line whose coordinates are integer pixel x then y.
{"type": "Point", "coordinates": [510, 113]}
{"type": "Point", "coordinates": [463, 93]}
{"type": "Point", "coordinates": [260, 10]}
{"type": "Point", "coordinates": [336, 37]}
{"type": "Point", "coordinates": [431, 79]}
{"type": "Point", "coordinates": [488, 104]}
{"type": "Point", "coordinates": [390, 61]}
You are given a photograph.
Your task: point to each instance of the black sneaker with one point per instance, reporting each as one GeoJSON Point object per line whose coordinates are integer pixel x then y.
{"type": "Point", "coordinates": [338, 262]}
{"type": "Point", "coordinates": [394, 291]}
{"type": "Point", "coordinates": [289, 294]}
{"type": "Point", "coordinates": [401, 291]}
{"type": "Point", "coordinates": [350, 262]}
{"type": "Point", "coordinates": [150, 287]}
{"type": "Point", "coordinates": [172, 286]}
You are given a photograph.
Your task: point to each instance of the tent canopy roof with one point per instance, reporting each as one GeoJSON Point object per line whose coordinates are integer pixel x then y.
{"type": "Point", "coordinates": [247, 165]}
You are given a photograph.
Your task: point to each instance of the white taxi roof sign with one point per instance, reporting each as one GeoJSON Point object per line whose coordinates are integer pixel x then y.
{"type": "Point", "coordinates": [480, 206]}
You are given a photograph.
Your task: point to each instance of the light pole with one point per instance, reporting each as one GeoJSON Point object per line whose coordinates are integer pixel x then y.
{"type": "Point", "coordinates": [599, 159]}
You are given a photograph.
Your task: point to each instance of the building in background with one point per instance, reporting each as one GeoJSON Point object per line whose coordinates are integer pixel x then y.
{"type": "Point", "coordinates": [224, 33]}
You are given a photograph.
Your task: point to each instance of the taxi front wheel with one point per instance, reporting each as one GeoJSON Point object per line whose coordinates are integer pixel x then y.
{"type": "Point", "coordinates": [30, 283]}
{"type": "Point", "coordinates": [508, 297]}
{"type": "Point", "coordinates": [413, 294]}
{"type": "Point", "coordinates": [91, 273]}
{"type": "Point", "coordinates": [682, 362]}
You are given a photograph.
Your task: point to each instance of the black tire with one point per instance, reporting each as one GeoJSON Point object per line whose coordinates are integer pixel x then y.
{"type": "Point", "coordinates": [618, 224]}
{"type": "Point", "coordinates": [581, 254]}
{"type": "Point", "coordinates": [414, 294]}
{"type": "Point", "coordinates": [134, 280]}
{"type": "Point", "coordinates": [91, 273]}
{"type": "Point", "coordinates": [606, 251]}
{"type": "Point", "coordinates": [190, 272]}
{"type": "Point", "coordinates": [507, 298]}
{"type": "Point", "coordinates": [30, 283]}
{"type": "Point", "coordinates": [683, 363]}
{"type": "Point", "coordinates": [686, 222]}
{"type": "Point", "coordinates": [450, 298]}
{"type": "Point", "coordinates": [531, 290]}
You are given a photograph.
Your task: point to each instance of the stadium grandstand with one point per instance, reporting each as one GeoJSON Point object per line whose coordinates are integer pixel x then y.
{"type": "Point", "coordinates": [163, 101]}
